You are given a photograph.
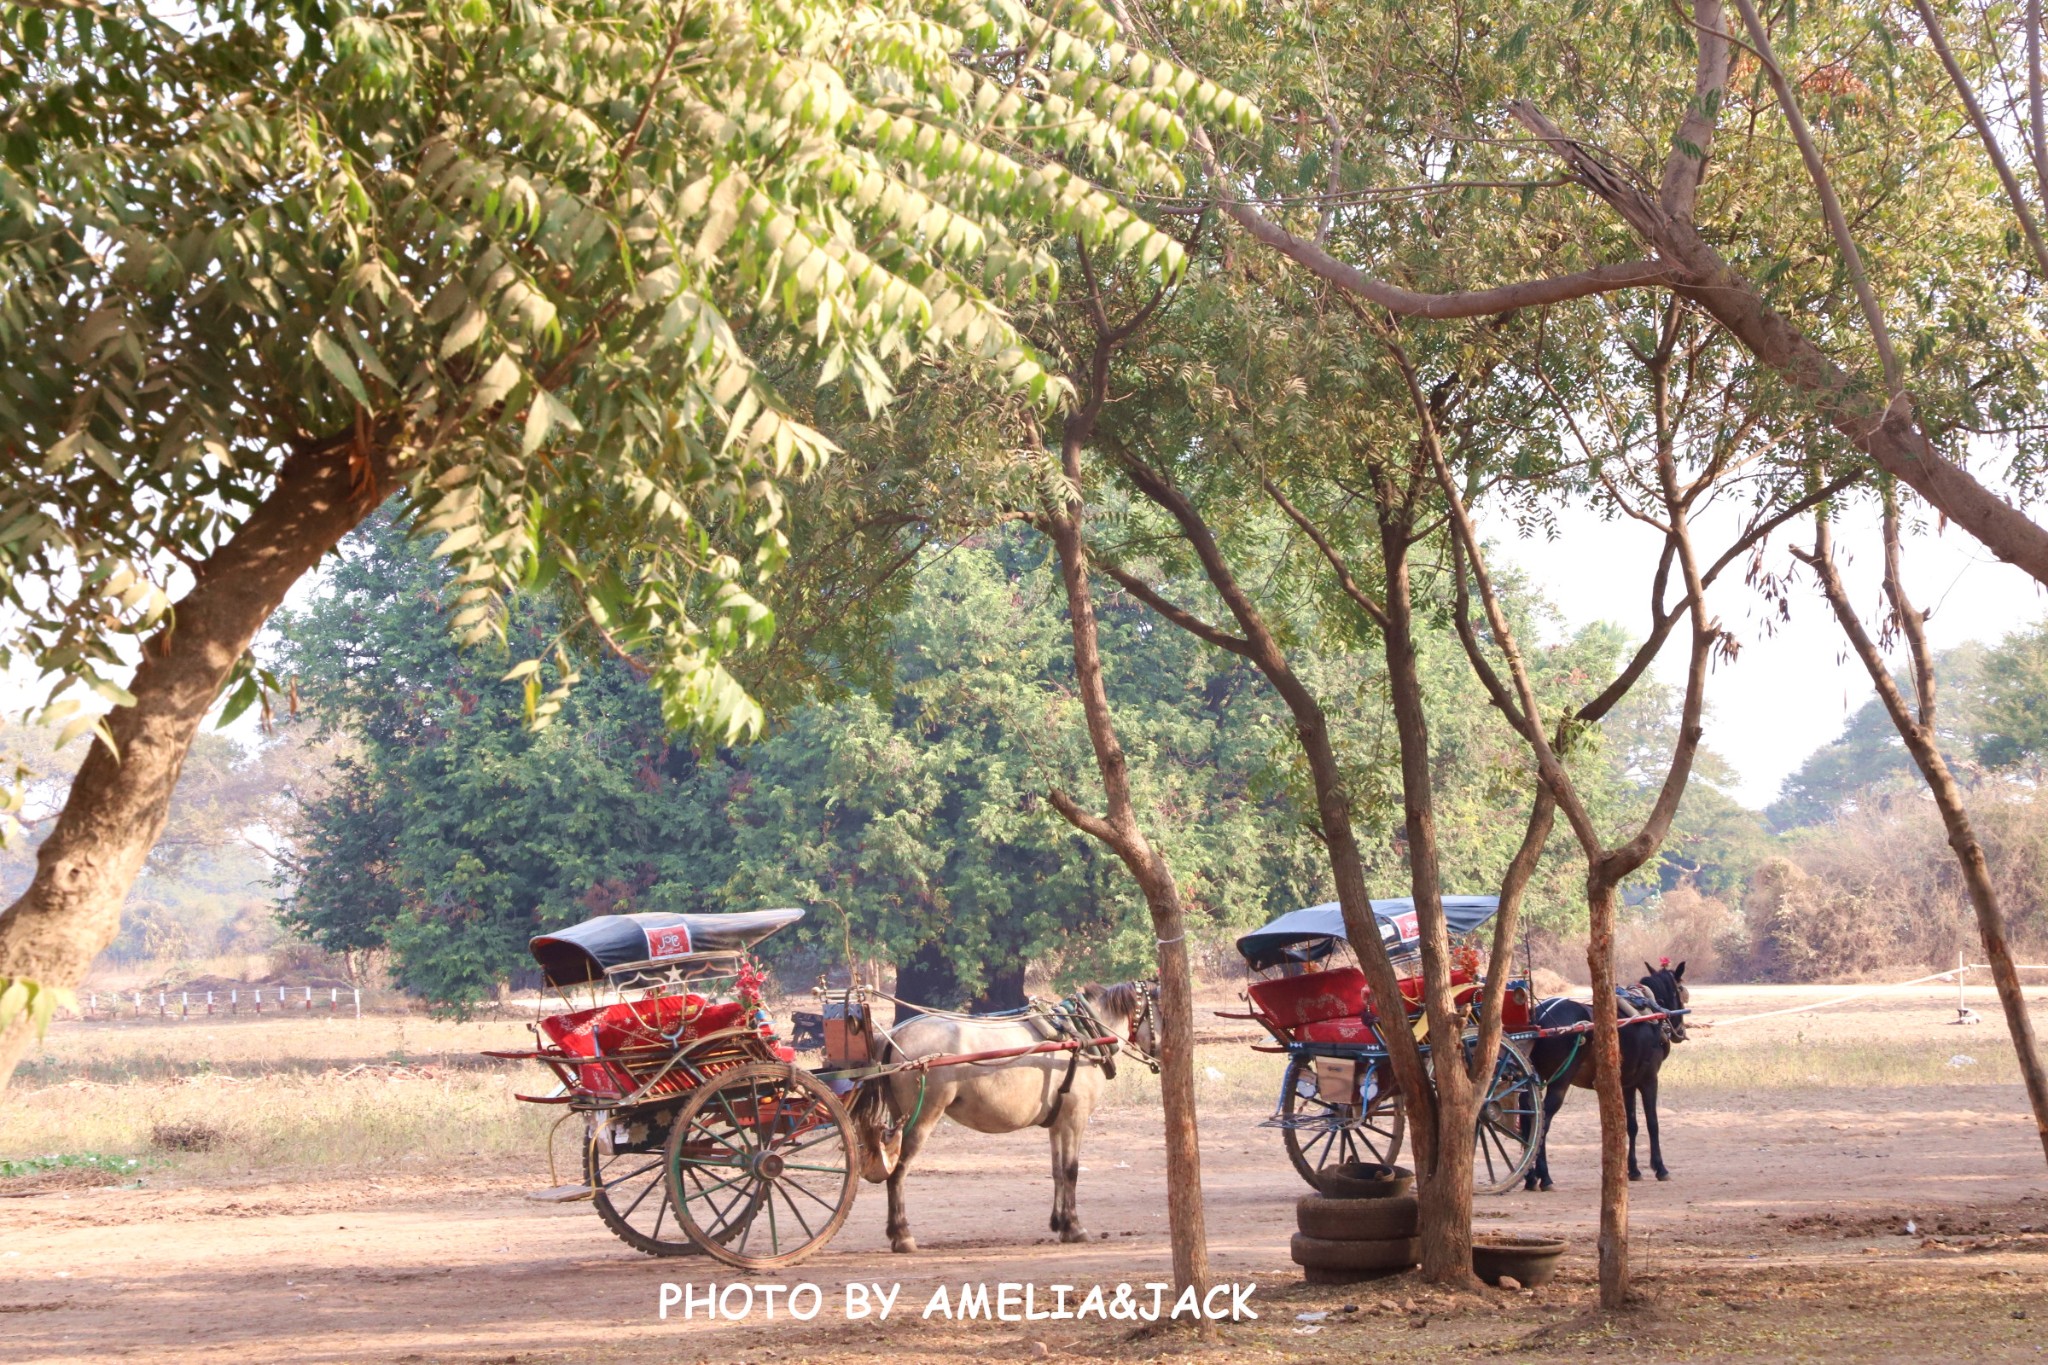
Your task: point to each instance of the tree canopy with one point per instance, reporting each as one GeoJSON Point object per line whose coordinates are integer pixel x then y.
{"type": "Point", "coordinates": [532, 261]}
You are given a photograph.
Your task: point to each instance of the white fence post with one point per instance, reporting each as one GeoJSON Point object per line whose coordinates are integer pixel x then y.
{"type": "Point", "coordinates": [357, 992]}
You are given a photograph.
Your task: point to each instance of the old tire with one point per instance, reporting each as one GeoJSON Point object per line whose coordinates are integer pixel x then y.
{"type": "Point", "coordinates": [1318, 1253]}
{"type": "Point", "coordinates": [1315, 1275]}
{"type": "Point", "coordinates": [1355, 1220]}
{"type": "Point", "coordinates": [1340, 1181]}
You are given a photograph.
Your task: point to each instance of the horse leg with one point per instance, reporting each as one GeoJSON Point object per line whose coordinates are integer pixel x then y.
{"type": "Point", "coordinates": [1649, 1089]}
{"type": "Point", "coordinates": [1628, 1096]}
{"type": "Point", "coordinates": [898, 1226]}
{"type": "Point", "coordinates": [1538, 1177]}
{"type": "Point", "coordinates": [1066, 1175]}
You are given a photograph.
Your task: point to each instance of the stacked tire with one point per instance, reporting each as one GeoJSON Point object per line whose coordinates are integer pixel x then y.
{"type": "Point", "coordinates": [1343, 1241]}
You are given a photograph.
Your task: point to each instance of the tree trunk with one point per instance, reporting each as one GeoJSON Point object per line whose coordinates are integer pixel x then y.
{"type": "Point", "coordinates": [1921, 742]}
{"type": "Point", "coordinates": [1005, 989]}
{"type": "Point", "coordinates": [1333, 797]}
{"type": "Point", "coordinates": [924, 980]}
{"type": "Point", "coordinates": [118, 802]}
{"type": "Point", "coordinates": [1443, 1167]}
{"type": "Point", "coordinates": [1962, 837]}
{"type": "Point", "coordinates": [1606, 1045]}
{"type": "Point", "coordinates": [1121, 833]}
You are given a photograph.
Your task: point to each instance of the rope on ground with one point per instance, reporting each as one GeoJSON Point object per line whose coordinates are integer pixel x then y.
{"type": "Point", "coordinates": [1949, 975]}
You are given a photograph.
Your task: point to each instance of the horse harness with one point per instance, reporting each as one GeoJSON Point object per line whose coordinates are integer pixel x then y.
{"type": "Point", "coordinates": [1645, 1003]}
{"type": "Point", "coordinates": [1075, 1019]}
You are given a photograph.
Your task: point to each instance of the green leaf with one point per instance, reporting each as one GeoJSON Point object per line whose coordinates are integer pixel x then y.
{"type": "Point", "coordinates": [331, 354]}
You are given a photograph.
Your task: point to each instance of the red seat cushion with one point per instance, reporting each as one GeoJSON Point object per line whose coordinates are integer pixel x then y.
{"type": "Point", "coordinates": [1291, 1001]}
{"type": "Point", "coordinates": [662, 1021]}
{"type": "Point", "coordinates": [1337, 1031]}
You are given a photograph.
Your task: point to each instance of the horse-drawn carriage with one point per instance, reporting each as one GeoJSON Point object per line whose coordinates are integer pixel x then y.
{"type": "Point", "coordinates": [1339, 1100]}
{"type": "Point", "coordinates": [701, 1134]}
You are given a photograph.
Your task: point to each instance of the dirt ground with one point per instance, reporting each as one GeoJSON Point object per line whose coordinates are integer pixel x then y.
{"type": "Point", "coordinates": [1783, 1234]}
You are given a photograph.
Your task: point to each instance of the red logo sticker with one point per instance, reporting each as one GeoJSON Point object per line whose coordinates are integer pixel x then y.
{"type": "Point", "coordinates": [672, 942]}
{"type": "Point", "coordinates": [1406, 925]}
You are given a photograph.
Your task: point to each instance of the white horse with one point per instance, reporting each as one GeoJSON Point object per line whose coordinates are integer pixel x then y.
{"type": "Point", "coordinates": [1057, 1091]}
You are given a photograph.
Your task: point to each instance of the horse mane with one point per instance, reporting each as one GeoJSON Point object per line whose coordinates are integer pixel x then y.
{"type": "Point", "coordinates": [1119, 1000]}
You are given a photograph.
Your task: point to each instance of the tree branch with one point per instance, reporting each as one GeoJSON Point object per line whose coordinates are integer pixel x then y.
{"type": "Point", "coordinates": [1407, 302]}
{"type": "Point", "coordinates": [1372, 609]}
{"type": "Point", "coordinates": [1179, 616]}
{"type": "Point", "coordinates": [1985, 133]}
{"type": "Point", "coordinates": [1686, 165]}
{"type": "Point", "coordinates": [1094, 826]}
{"type": "Point", "coordinates": [1831, 207]}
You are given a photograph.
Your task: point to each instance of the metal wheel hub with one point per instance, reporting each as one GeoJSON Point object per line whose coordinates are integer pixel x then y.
{"type": "Point", "coordinates": [766, 1165]}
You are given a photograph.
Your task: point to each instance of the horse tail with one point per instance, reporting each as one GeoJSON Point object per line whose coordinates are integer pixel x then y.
{"type": "Point", "coordinates": [877, 1129]}
{"type": "Point", "coordinates": [877, 1122]}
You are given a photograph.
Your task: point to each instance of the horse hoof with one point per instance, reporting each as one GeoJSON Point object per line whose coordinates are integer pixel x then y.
{"type": "Point", "coordinates": [1663, 1175]}
{"type": "Point", "coordinates": [905, 1244]}
{"type": "Point", "coordinates": [1546, 1187]}
{"type": "Point", "coordinates": [1635, 1175]}
{"type": "Point", "coordinates": [1074, 1235]}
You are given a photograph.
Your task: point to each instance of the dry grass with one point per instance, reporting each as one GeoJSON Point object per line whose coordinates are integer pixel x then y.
{"type": "Point", "coordinates": [283, 1124]}
{"type": "Point", "coordinates": [300, 1095]}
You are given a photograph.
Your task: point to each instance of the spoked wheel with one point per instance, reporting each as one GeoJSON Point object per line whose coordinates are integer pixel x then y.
{"type": "Point", "coordinates": [630, 1192]}
{"type": "Point", "coordinates": [762, 1167]}
{"type": "Point", "coordinates": [1318, 1133]}
{"type": "Point", "coordinates": [1510, 1124]}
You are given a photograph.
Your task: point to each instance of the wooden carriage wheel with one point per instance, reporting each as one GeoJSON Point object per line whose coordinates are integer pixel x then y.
{"type": "Point", "coordinates": [629, 1190]}
{"type": "Point", "coordinates": [1318, 1133]}
{"type": "Point", "coordinates": [761, 1165]}
{"type": "Point", "coordinates": [1509, 1126]}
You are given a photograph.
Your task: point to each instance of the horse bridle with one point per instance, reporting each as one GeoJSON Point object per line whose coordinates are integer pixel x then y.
{"type": "Point", "coordinates": [1147, 1012]}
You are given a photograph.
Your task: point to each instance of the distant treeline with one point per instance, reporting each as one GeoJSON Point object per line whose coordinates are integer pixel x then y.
{"type": "Point", "coordinates": [907, 815]}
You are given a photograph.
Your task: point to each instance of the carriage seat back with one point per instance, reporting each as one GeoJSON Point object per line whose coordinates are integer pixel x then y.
{"type": "Point", "coordinates": [1463, 988]}
{"type": "Point", "coordinates": [1292, 1001]}
{"type": "Point", "coordinates": [604, 1031]}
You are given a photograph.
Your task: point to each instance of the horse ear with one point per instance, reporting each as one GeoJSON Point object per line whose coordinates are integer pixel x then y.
{"type": "Point", "coordinates": [1648, 970]}
{"type": "Point", "coordinates": [1678, 973]}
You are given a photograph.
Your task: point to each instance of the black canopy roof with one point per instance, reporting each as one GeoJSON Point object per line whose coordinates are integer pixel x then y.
{"type": "Point", "coordinates": [1305, 935]}
{"type": "Point", "coordinates": [583, 952]}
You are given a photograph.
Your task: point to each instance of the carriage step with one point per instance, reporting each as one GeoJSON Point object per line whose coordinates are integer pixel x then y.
{"type": "Point", "coordinates": [561, 1194]}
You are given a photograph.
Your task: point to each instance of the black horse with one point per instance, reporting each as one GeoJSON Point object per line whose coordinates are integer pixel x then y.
{"type": "Point", "coordinates": [1567, 1061]}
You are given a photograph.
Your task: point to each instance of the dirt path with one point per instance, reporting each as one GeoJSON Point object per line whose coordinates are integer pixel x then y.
{"type": "Point", "coordinates": [1784, 1226]}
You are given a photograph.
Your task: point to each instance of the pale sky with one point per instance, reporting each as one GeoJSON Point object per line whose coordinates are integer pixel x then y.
{"type": "Point", "coordinates": [1794, 683]}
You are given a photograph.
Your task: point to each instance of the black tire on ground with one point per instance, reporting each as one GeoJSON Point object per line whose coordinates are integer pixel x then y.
{"type": "Point", "coordinates": [1332, 1182]}
{"type": "Point", "coordinates": [1315, 1275]}
{"type": "Point", "coordinates": [1355, 1220]}
{"type": "Point", "coordinates": [1318, 1254]}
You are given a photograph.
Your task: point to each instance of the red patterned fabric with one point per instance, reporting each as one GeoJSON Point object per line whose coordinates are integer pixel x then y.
{"type": "Point", "coordinates": [1291, 1001]}
{"type": "Point", "coordinates": [638, 1023]}
{"type": "Point", "coordinates": [1337, 1031]}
